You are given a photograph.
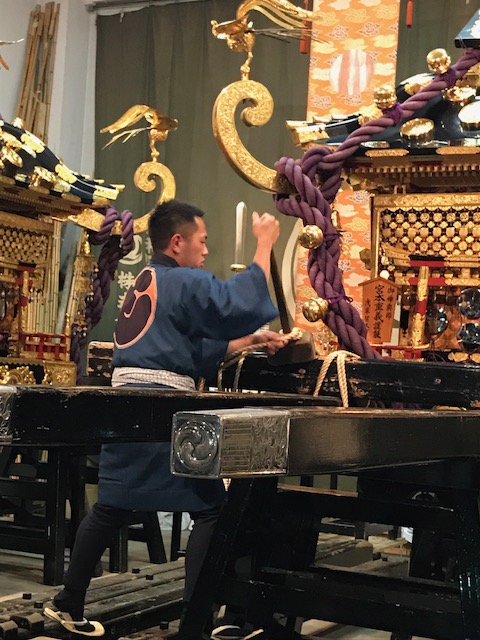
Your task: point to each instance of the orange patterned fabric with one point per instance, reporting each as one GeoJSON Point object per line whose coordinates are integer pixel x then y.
{"type": "Point", "coordinates": [353, 51]}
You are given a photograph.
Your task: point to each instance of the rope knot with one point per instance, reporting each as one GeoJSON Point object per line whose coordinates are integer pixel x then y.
{"type": "Point", "coordinates": [395, 113]}
{"type": "Point", "coordinates": [449, 77]}
{"type": "Point", "coordinates": [341, 357]}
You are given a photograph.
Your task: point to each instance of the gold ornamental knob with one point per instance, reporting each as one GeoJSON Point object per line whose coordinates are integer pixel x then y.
{"type": "Point", "coordinates": [385, 97]}
{"type": "Point", "coordinates": [311, 236]}
{"type": "Point", "coordinates": [460, 95]}
{"type": "Point", "coordinates": [315, 309]}
{"type": "Point", "coordinates": [438, 61]}
{"type": "Point", "coordinates": [417, 130]}
{"type": "Point", "coordinates": [413, 84]}
{"type": "Point", "coordinates": [469, 116]}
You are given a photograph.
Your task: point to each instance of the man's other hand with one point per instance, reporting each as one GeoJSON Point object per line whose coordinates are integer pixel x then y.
{"type": "Point", "coordinates": [270, 340]}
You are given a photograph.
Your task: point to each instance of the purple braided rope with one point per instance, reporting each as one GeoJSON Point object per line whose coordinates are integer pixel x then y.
{"type": "Point", "coordinates": [113, 250]}
{"type": "Point", "coordinates": [342, 317]}
{"type": "Point", "coordinates": [389, 118]}
{"type": "Point", "coordinates": [312, 205]}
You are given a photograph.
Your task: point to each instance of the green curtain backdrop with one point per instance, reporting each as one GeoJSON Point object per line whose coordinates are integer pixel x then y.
{"type": "Point", "coordinates": [435, 26]}
{"type": "Point", "coordinates": [166, 57]}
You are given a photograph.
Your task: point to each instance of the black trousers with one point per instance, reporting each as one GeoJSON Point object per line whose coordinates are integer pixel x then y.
{"type": "Point", "coordinates": [96, 533]}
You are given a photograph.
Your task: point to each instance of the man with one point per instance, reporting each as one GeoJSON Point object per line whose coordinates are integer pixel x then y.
{"type": "Point", "coordinates": [176, 324]}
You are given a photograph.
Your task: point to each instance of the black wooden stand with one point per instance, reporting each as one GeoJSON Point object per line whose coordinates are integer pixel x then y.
{"type": "Point", "coordinates": [278, 529]}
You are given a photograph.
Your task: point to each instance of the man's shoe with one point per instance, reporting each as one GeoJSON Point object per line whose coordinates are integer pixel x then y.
{"type": "Point", "coordinates": [233, 632]}
{"type": "Point", "coordinates": [83, 627]}
{"type": "Point", "coordinates": [228, 632]}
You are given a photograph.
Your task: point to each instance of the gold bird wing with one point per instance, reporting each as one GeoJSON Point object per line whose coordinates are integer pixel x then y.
{"type": "Point", "coordinates": [156, 120]}
{"type": "Point", "coordinates": [133, 115]}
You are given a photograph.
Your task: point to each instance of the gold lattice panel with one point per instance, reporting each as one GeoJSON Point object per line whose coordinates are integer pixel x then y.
{"type": "Point", "coordinates": [24, 240]}
{"type": "Point", "coordinates": [445, 225]}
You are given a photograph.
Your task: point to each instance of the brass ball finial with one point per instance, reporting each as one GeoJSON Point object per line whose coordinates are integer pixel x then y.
{"type": "Point", "coordinates": [315, 309]}
{"type": "Point", "coordinates": [438, 61]}
{"type": "Point", "coordinates": [385, 97]}
{"type": "Point", "coordinates": [311, 236]}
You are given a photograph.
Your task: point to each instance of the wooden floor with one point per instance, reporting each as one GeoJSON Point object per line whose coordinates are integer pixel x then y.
{"type": "Point", "coordinates": [21, 574]}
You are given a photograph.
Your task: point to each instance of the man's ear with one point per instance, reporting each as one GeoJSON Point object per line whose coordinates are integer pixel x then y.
{"type": "Point", "coordinates": [174, 244]}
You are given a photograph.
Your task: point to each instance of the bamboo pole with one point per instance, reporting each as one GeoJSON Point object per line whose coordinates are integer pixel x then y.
{"type": "Point", "coordinates": [28, 102]}
{"type": "Point", "coordinates": [28, 54]}
{"type": "Point", "coordinates": [34, 101]}
{"type": "Point", "coordinates": [50, 67]}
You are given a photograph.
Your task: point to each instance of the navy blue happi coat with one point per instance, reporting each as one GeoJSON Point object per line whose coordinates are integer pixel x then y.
{"type": "Point", "coordinates": [181, 320]}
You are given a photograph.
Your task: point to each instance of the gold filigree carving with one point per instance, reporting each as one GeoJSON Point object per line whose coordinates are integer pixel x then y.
{"type": "Point", "coordinates": [17, 375]}
{"type": "Point", "coordinates": [61, 374]}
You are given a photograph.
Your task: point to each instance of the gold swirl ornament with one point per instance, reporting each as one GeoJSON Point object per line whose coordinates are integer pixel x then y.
{"type": "Point", "coordinates": [240, 36]}
{"type": "Point", "coordinates": [228, 139]}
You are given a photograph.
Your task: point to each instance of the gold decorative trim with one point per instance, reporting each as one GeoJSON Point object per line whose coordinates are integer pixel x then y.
{"type": "Point", "coordinates": [385, 153]}
{"type": "Point", "coordinates": [458, 151]}
{"type": "Point", "coordinates": [427, 200]}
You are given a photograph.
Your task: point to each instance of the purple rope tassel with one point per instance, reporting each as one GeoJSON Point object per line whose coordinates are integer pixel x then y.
{"type": "Point", "coordinates": [113, 250]}
{"type": "Point", "coordinates": [313, 205]}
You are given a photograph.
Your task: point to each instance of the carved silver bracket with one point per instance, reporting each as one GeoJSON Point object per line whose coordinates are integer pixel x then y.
{"type": "Point", "coordinates": [7, 394]}
{"type": "Point", "coordinates": [229, 443]}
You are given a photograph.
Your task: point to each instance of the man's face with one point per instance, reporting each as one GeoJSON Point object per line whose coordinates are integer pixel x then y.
{"type": "Point", "coordinates": [192, 247]}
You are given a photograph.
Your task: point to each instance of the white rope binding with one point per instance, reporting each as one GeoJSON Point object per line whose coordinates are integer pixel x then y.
{"type": "Point", "coordinates": [341, 357]}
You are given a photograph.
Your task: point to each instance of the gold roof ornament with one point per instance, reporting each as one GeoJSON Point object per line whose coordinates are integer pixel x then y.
{"type": "Point", "coordinates": [240, 36]}
{"type": "Point", "coordinates": [158, 130]}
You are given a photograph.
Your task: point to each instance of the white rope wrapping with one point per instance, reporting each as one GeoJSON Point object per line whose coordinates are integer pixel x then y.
{"type": "Point", "coordinates": [341, 357]}
{"type": "Point", "coordinates": [238, 358]}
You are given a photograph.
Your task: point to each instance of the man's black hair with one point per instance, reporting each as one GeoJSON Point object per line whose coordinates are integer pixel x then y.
{"type": "Point", "coordinates": [168, 218]}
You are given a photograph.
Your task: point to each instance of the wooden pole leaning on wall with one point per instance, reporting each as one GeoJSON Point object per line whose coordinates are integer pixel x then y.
{"type": "Point", "coordinates": [33, 105]}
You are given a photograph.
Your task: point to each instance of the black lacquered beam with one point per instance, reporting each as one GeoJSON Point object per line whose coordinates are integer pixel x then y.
{"type": "Point", "coordinates": [339, 439]}
{"type": "Point", "coordinates": [69, 416]}
{"type": "Point", "coordinates": [320, 440]}
{"type": "Point", "coordinates": [407, 381]}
